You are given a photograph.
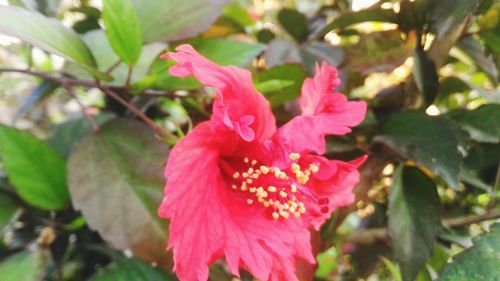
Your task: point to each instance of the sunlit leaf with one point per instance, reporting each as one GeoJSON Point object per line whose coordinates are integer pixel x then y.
{"type": "Point", "coordinates": [23, 266]}
{"type": "Point", "coordinates": [482, 123]}
{"type": "Point", "coordinates": [425, 74]}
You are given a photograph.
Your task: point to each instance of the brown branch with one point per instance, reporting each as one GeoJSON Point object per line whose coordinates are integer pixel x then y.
{"type": "Point", "coordinates": [93, 125]}
{"type": "Point", "coordinates": [373, 235]}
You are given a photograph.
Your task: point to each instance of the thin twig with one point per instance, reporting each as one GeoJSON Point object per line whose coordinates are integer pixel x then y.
{"type": "Point", "coordinates": [129, 76]}
{"type": "Point", "coordinates": [93, 125]}
{"type": "Point", "coordinates": [113, 66]}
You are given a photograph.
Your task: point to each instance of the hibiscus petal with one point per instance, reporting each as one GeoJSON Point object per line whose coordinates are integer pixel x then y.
{"type": "Point", "coordinates": [236, 95]}
{"type": "Point", "coordinates": [323, 113]}
{"type": "Point", "coordinates": [208, 220]}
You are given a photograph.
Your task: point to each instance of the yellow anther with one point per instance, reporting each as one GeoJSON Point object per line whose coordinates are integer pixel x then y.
{"type": "Point", "coordinates": [250, 201]}
{"type": "Point", "coordinates": [260, 189]}
{"type": "Point", "coordinates": [246, 160]}
{"type": "Point", "coordinates": [261, 200]}
{"type": "Point", "coordinates": [256, 176]}
{"type": "Point", "coordinates": [264, 169]}
{"type": "Point", "coordinates": [292, 209]}
{"type": "Point", "coordinates": [264, 194]}
{"type": "Point", "coordinates": [250, 171]}
{"type": "Point", "coordinates": [234, 186]}
{"type": "Point", "coordinates": [284, 214]}
{"type": "Point", "coordinates": [276, 215]}
{"type": "Point", "coordinates": [249, 181]}
{"type": "Point", "coordinates": [296, 214]}
{"type": "Point", "coordinates": [236, 175]}
{"type": "Point", "coordinates": [244, 174]}
{"type": "Point", "coordinates": [254, 162]}
{"type": "Point", "coordinates": [293, 188]}
{"type": "Point", "coordinates": [266, 204]}
{"type": "Point", "coordinates": [283, 176]}
{"type": "Point", "coordinates": [307, 172]}
{"type": "Point", "coordinates": [295, 167]}
{"type": "Point", "coordinates": [271, 188]}
{"type": "Point", "coordinates": [252, 189]}
{"type": "Point", "coordinates": [244, 186]}
{"type": "Point", "coordinates": [283, 194]}
{"type": "Point", "coordinates": [313, 168]}
{"type": "Point", "coordinates": [294, 156]}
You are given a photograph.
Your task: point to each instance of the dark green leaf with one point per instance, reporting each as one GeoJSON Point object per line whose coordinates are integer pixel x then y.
{"type": "Point", "coordinates": [315, 53]}
{"type": "Point", "coordinates": [429, 141]}
{"type": "Point", "coordinates": [120, 171]}
{"type": "Point", "coordinates": [65, 135]}
{"type": "Point", "coordinates": [122, 29]}
{"type": "Point", "coordinates": [476, 52]}
{"type": "Point", "coordinates": [482, 124]}
{"type": "Point", "coordinates": [265, 36]}
{"type": "Point", "coordinates": [412, 15]}
{"type": "Point", "coordinates": [8, 209]}
{"type": "Point", "coordinates": [42, 91]}
{"type": "Point", "coordinates": [36, 171]}
{"type": "Point", "coordinates": [48, 34]}
{"type": "Point", "coordinates": [446, 13]}
{"type": "Point", "coordinates": [479, 262]}
{"type": "Point", "coordinates": [451, 85]}
{"type": "Point", "coordinates": [174, 20]}
{"type": "Point", "coordinates": [426, 77]}
{"type": "Point", "coordinates": [294, 22]}
{"type": "Point", "coordinates": [23, 266]}
{"type": "Point", "coordinates": [221, 51]}
{"type": "Point", "coordinates": [131, 269]}
{"type": "Point", "coordinates": [294, 73]}
{"type": "Point", "coordinates": [414, 219]}
{"type": "Point", "coordinates": [371, 14]}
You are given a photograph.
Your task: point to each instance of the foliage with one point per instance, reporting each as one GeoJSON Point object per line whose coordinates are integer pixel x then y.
{"type": "Point", "coordinates": [89, 113]}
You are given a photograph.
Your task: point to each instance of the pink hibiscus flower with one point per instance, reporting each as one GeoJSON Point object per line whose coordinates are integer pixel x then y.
{"type": "Point", "coordinates": [239, 188]}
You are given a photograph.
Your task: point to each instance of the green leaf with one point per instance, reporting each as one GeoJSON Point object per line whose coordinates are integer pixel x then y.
{"type": "Point", "coordinates": [65, 135]}
{"type": "Point", "coordinates": [414, 219]}
{"type": "Point", "coordinates": [120, 171]}
{"type": "Point", "coordinates": [36, 171]}
{"type": "Point", "coordinates": [221, 51]}
{"type": "Point", "coordinates": [425, 75]}
{"type": "Point", "coordinates": [42, 91]}
{"type": "Point", "coordinates": [175, 20]}
{"type": "Point", "coordinates": [294, 73]}
{"type": "Point", "coordinates": [294, 22]}
{"type": "Point", "coordinates": [23, 266]}
{"type": "Point", "coordinates": [131, 269]}
{"type": "Point", "coordinates": [482, 124]}
{"type": "Point", "coordinates": [371, 14]}
{"type": "Point", "coordinates": [122, 29]}
{"type": "Point", "coordinates": [479, 262]}
{"type": "Point", "coordinates": [429, 141]}
{"type": "Point", "coordinates": [446, 13]}
{"type": "Point", "coordinates": [273, 85]}
{"type": "Point", "coordinates": [451, 85]}
{"type": "Point", "coordinates": [238, 14]}
{"type": "Point", "coordinates": [48, 34]}
{"type": "Point", "coordinates": [473, 48]}
{"type": "Point", "coordinates": [317, 52]}
{"type": "Point", "coordinates": [8, 209]}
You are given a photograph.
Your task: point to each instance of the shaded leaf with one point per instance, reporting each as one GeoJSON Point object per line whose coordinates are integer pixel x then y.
{"type": "Point", "coordinates": [115, 180]}
{"type": "Point", "coordinates": [425, 75]}
{"type": "Point", "coordinates": [177, 19]}
{"type": "Point", "coordinates": [23, 266]}
{"type": "Point", "coordinates": [48, 34]}
{"type": "Point", "coordinates": [294, 23]}
{"type": "Point", "coordinates": [42, 91]}
{"type": "Point", "coordinates": [131, 269]}
{"type": "Point", "coordinates": [65, 135]}
{"type": "Point", "coordinates": [280, 51]}
{"type": "Point", "coordinates": [451, 85]}
{"type": "Point", "coordinates": [476, 52]}
{"type": "Point", "coordinates": [429, 141]}
{"type": "Point", "coordinates": [8, 209]}
{"type": "Point", "coordinates": [293, 73]}
{"type": "Point", "coordinates": [414, 219]}
{"type": "Point", "coordinates": [371, 14]}
{"type": "Point", "coordinates": [317, 52]}
{"type": "Point", "coordinates": [446, 13]}
{"type": "Point", "coordinates": [36, 171]}
{"type": "Point", "coordinates": [482, 124]}
{"type": "Point", "coordinates": [122, 29]}
{"type": "Point", "coordinates": [479, 262]}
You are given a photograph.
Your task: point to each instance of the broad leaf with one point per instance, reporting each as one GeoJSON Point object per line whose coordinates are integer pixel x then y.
{"type": "Point", "coordinates": [36, 171]}
{"type": "Point", "coordinates": [294, 22]}
{"type": "Point", "coordinates": [425, 75]}
{"type": "Point", "coordinates": [429, 141]}
{"type": "Point", "coordinates": [472, 47]}
{"type": "Point", "coordinates": [221, 51]}
{"type": "Point", "coordinates": [317, 52]}
{"type": "Point", "coordinates": [23, 266]}
{"type": "Point", "coordinates": [482, 124]}
{"type": "Point", "coordinates": [176, 19]}
{"type": "Point", "coordinates": [479, 262]}
{"type": "Point", "coordinates": [293, 73]}
{"type": "Point", "coordinates": [122, 29]}
{"type": "Point", "coordinates": [131, 269]}
{"type": "Point", "coordinates": [414, 219]}
{"type": "Point", "coordinates": [451, 85]}
{"type": "Point", "coordinates": [115, 179]}
{"type": "Point", "coordinates": [48, 34]}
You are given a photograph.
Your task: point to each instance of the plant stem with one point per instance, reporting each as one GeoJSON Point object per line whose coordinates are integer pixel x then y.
{"type": "Point", "coordinates": [93, 125]}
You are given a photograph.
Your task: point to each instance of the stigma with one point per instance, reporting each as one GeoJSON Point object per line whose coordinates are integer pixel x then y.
{"type": "Point", "coordinates": [279, 190]}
